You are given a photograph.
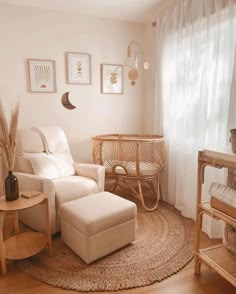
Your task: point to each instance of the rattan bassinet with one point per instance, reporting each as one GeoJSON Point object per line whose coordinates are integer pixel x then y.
{"type": "Point", "coordinates": [139, 158]}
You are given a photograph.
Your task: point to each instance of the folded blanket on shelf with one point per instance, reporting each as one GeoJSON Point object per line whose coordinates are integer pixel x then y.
{"type": "Point", "coordinates": [223, 198]}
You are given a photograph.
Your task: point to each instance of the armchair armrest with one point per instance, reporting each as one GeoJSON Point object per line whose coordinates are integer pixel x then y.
{"type": "Point", "coordinates": [92, 171]}
{"type": "Point", "coordinates": [37, 183]}
{"type": "Point", "coordinates": [34, 182]}
{"type": "Point", "coordinates": [34, 217]}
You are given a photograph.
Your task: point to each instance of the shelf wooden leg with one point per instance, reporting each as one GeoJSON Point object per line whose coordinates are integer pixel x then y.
{"type": "Point", "coordinates": [48, 220]}
{"type": "Point", "coordinates": [198, 226]}
{"type": "Point", "coordinates": [16, 222]}
{"type": "Point", "coordinates": [2, 251]}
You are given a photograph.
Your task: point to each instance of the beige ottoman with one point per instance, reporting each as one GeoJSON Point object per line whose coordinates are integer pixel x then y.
{"type": "Point", "coordinates": [98, 224]}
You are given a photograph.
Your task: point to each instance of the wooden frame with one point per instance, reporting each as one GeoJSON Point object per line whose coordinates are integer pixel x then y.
{"type": "Point", "coordinates": [42, 75]}
{"type": "Point", "coordinates": [112, 78]}
{"type": "Point", "coordinates": [78, 68]}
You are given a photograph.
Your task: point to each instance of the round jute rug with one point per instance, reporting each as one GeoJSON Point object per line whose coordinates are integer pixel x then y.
{"type": "Point", "coordinates": [164, 245]}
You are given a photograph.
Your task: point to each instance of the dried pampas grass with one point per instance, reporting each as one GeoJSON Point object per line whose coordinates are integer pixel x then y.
{"type": "Point", "coordinates": [8, 135]}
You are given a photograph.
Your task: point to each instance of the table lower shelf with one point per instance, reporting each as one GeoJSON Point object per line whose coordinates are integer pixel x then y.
{"type": "Point", "coordinates": [24, 245]}
{"type": "Point", "coordinates": [221, 260]}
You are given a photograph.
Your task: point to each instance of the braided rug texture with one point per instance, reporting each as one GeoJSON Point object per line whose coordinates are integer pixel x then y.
{"type": "Point", "coordinates": [163, 246]}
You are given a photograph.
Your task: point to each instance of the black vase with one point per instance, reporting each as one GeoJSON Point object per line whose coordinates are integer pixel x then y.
{"type": "Point", "coordinates": [11, 187]}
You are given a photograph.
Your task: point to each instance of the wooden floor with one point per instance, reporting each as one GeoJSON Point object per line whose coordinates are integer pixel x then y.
{"type": "Point", "coordinates": [183, 282]}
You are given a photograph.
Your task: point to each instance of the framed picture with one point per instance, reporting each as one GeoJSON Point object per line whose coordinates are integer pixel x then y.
{"type": "Point", "coordinates": [42, 74]}
{"type": "Point", "coordinates": [112, 78]}
{"type": "Point", "coordinates": [78, 68]}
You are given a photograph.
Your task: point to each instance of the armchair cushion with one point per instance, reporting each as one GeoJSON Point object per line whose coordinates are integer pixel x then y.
{"type": "Point", "coordinates": [73, 187]}
{"type": "Point", "coordinates": [51, 166]}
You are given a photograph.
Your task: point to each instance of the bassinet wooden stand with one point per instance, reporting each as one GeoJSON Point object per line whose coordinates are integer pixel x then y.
{"type": "Point", "coordinates": [132, 158]}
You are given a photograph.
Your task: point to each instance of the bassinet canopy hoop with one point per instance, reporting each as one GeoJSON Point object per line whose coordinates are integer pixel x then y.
{"type": "Point", "coordinates": [132, 157]}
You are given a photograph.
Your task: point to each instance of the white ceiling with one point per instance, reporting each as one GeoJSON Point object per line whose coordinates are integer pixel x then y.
{"type": "Point", "coordinates": [130, 10]}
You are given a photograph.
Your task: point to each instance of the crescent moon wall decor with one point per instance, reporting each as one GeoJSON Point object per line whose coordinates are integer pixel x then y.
{"type": "Point", "coordinates": [66, 102]}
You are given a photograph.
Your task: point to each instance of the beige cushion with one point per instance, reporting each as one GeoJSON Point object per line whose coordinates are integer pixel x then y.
{"type": "Point", "coordinates": [73, 187]}
{"type": "Point", "coordinates": [51, 166]}
{"type": "Point", "coordinates": [98, 212]}
{"type": "Point", "coordinates": [146, 168]}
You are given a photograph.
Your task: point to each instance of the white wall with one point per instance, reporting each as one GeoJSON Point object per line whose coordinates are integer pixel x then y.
{"type": "Point", "coordinates": [40, 34]}
{"type": "Point", "coordinates": [150, 126]}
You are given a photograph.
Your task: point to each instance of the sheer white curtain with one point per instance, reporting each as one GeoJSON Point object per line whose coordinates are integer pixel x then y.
{"type": "Point", "coordinates": [196, 58]}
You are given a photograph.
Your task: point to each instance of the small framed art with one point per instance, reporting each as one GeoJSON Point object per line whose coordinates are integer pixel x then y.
{"type": "Point", "coordinates": [112, 78]}
{"type": "Point", "coordinates": [42, 74]}
{"type": "Point", "coordinates": [78, 68]}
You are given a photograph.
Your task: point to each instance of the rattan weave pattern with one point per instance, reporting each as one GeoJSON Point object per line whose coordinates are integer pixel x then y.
{"type": "Point", "coordinates": [130, 157]}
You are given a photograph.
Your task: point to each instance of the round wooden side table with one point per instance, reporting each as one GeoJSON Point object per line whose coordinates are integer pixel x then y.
{"type": "Point", "coordinates": [25, 244]}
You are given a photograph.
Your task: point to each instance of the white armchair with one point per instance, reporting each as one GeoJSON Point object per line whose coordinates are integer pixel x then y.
{"type": "Point", "coordinates": [44, 163]}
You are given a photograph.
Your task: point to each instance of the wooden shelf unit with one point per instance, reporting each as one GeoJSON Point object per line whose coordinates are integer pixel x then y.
{"type": "Point", "coordinates": [217, 258]}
